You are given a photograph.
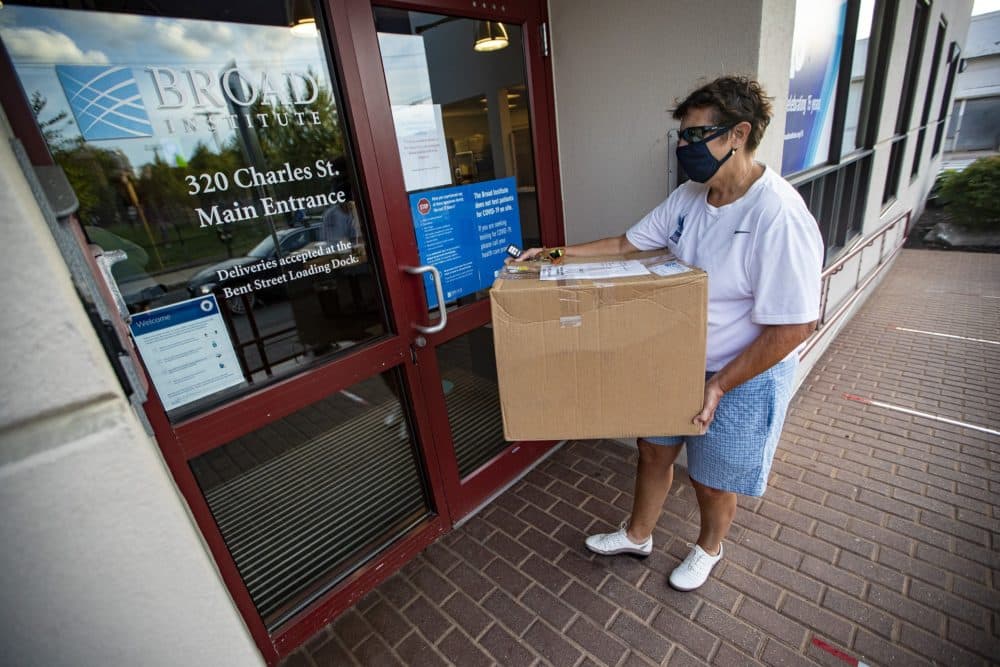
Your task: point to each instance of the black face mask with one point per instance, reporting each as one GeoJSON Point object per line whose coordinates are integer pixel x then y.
{"type": "Point", "coordinates": [698, 162]}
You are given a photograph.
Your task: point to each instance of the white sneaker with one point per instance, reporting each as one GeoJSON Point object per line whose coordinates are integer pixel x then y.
{"type": "Point", "coordinates": [694, 571]}
{"type": "Point", "coordinates": [618, 542]}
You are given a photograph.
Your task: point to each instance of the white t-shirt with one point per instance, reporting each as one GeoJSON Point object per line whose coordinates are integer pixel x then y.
{"type": "Point", "coordinates": [763, 254]}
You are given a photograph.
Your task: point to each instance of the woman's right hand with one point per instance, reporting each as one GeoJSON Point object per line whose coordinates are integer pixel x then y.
{"type": "Point", "coordinates": [530, 253]}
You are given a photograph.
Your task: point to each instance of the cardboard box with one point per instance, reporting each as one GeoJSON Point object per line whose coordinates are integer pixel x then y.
{"type": "Point", "coordinates": [602, 357]}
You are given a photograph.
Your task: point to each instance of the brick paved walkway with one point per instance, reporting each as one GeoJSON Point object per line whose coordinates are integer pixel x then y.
{"type": "Point", "coordinates": [879, 535]}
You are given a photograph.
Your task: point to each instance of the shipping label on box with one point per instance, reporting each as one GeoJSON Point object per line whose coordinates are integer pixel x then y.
{"type": "Point", "coordinates": [598, 348]}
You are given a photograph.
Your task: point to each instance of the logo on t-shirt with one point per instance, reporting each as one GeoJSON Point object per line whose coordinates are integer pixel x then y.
{"type": "Point", "coordinates": [676, 236]}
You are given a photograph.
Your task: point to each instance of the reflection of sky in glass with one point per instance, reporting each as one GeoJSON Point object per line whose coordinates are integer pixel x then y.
{"type": "Point", "coordinates": [38, 39]}
{"type": "Point", "coordinates": [985, 6]}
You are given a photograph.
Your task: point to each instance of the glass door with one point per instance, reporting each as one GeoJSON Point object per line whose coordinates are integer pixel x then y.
{"type": "Point", "coordinates": [458, 97]}
{"type": "Point", "coordinates": [296, 211]}
{"type": "Point", "coordinates": [230, 202]}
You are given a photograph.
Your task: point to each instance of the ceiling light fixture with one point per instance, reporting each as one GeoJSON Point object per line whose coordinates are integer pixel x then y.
{"type": "Point", "coordinates": [303, 21]}
{"type": "Point", "coordinates": [491, 36]}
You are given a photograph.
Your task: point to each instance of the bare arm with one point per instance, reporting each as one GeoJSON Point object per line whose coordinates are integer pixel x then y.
{"type": "Point", "coordinates": [614, 245]}
{"type": "Point", "coordinates": [773, 344]}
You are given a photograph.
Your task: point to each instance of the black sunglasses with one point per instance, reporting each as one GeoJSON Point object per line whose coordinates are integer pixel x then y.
{"type": "Point", "coordinates": [698, 133]}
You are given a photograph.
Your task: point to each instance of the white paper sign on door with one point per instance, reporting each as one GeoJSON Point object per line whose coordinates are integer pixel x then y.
{"type": "Point", "coordinates": [422, 148]}
{"type": "Point", "coordinates": [187, 350]}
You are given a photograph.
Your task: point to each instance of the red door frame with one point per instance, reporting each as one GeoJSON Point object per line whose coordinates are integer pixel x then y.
{"type": "Point", "coordinates": [357, 64]}
{"type": "Point", "coordinates": [463, 495]}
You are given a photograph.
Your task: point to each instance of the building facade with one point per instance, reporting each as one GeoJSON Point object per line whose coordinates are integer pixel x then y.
{"type": "Point", "coordinates": [974, 125]}
{"type": "Point", "coordinates": [250, 366]}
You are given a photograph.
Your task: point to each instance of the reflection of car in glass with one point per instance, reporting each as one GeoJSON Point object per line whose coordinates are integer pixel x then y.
{"type": "Point", "coordinates": [290, 240]}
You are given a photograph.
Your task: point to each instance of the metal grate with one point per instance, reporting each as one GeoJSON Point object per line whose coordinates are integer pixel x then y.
{"type": "Point", "coordinates": [297, 524]}
{"type": "Point", "coordinates": [475, 418]}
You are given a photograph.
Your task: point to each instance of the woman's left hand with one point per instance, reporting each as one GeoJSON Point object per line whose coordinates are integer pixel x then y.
{"type": "Point", "coordinates": [713, 394]}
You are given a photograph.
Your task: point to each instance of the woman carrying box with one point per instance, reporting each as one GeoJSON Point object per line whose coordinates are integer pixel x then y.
{"type": "Point", "coordinates": [751, 232]}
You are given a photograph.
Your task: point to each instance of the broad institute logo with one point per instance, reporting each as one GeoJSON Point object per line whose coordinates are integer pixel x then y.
{"type": "Point", "coordinates": [105, 100]}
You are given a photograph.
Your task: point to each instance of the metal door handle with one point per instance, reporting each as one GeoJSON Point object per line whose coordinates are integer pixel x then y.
{"type": "Point", "coordinates": [427, 268]}
{"type": "Point", "coordinates": [105, 261]}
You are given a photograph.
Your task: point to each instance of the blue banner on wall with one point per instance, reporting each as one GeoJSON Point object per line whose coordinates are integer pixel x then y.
{"type": "Point", "coordinates": [812, 86]}
{"type": "Point", "coordinates": [464, 231]}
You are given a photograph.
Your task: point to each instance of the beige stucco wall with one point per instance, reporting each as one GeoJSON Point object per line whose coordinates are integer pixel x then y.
{"type": "Point", "coordinates": [100, 562]}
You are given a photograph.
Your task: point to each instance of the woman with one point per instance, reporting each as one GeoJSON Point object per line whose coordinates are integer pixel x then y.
{"type": "Point", "coordinates": [751, 232]}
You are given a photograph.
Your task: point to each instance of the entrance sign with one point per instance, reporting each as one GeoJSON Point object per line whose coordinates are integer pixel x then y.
{"type": "Point", "coordinates": [816, 45]}
{"type": "Point", "coordinates": [219, 169]}
{"type": "Point", "coordinates": [105, 101]}
{"type": "Point", "coordinates": [187, 350]}
{"type": "Point", "coordinates": [464, 231]}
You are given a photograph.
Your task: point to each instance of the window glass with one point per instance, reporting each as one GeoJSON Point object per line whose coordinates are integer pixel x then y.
{"type": "Point", "coordinates": [929, 97]}
{"type": "Point", "coordinates": [469, 382]}
{"type": "Point", "coordinates": [859, 71]}
{"type": "Point", "coordinates": [974, 125]}
{"type": "Point", "coordinates": [915, 52]}
{"type": "Point", "coordinates": [812, 87]}
{"type": "Point", "coordinates": [462, 122]}
{"type": "Point", "coordinates": [216, 177]}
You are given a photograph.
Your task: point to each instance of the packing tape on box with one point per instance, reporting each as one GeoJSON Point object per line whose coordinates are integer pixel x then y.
{"type": "Point", "coordinates": [569, 302]}
{"type": "Point", "coordinates": [519, 271]}
{"type": "Point", "coordinates": [569, 305]}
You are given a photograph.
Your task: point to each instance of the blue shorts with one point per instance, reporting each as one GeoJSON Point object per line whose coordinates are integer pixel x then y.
{"type": "Point", "coordinates": [735, 453]}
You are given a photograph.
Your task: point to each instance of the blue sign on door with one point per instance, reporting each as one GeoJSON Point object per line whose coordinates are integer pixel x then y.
{"type": "Point", "coordinates": [464, 231]}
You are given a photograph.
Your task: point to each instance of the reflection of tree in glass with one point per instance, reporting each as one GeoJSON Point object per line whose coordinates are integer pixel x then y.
{"type": "Point", "coordinates": [176, 237]}
{"type": "Point", "coordinates": [301, 145]}
{"type": "Point", "coordinates": [50, 127]}
{"type": "Point", "coordinates": [163, 191]}
{"type": "Point", "coordinates": [87, 168]}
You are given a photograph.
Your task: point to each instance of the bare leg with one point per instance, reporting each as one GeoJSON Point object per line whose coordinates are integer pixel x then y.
{"type": "Point", "coordinates": [653, 478]}
{"type": "Point", "coordinates": [717, 511]}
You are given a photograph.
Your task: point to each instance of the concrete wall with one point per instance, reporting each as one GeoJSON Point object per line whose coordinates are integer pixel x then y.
{"type": "Point", "coordinates": [617, 73]}
{"type": "Point", "coordinates": [618, 70]}
{"type": "Point", "coordinates": [101, 563]}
